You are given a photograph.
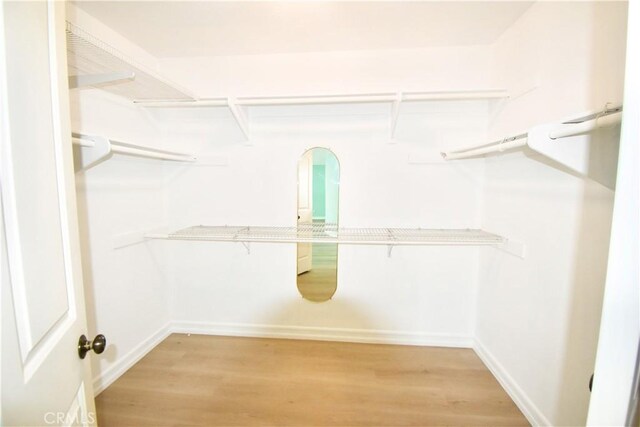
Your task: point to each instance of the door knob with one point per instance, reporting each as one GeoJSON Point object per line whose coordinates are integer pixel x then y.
{"type": "Point", "coordinates": [97, 345]}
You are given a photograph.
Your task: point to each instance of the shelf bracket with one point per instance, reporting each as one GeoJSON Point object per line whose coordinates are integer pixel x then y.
{"type": "Point", "coordinates": [389, 249]}
{"type": "Point", "coordinates": [247, 246]}
{"type": "Point", "coordinates": [91, 151]}
{"type": "Point", "coordinates": [76, 82]}
{"type": "Point", "coordinates": [240, 115]}
{"type": "Point", "coordinates": [513, 247]}
{"type": "Point", "coordinates": [395, 113]}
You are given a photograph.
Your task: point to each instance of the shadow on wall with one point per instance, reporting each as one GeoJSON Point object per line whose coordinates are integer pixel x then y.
{"type": "Point", "coordinates": [87, 271]}
{"type": "Point", "coordinates": [589, 275]}
{"type": "Point", "coordinates": [592, 241]}
{"type": "Point", "coordinates": [111, 351]}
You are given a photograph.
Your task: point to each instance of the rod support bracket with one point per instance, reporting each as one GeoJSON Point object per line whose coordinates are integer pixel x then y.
{"type": "Point", "coordinates": [247, 246]}
{"type": "Point", "coordinates": [395, 113]}
{"type": "Point", "coordinates": [240, 115]}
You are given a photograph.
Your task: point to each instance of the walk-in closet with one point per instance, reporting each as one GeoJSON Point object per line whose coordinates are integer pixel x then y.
{"type": "Point", "coordinates": [320, 213]}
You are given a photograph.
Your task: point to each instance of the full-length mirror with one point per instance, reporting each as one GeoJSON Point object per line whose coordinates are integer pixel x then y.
{"type": "Point", "coordinates": [318, 190]}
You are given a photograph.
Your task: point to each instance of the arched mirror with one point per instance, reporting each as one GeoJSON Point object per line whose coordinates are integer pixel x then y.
{"type": "Point", "coordinates": [318, 190]}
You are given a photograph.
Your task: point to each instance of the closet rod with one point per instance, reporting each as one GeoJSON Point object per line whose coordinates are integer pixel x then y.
{"type": "Point", "coordinates": [492, 147]}
{"type": "Point", "coordinates": [142, 152]}
{"type": "Point", "coordinates": [136, 150]}
{"type": "Point", "coordinates": [609, 116]}
{"type": "Point", "coordinates": [83, 142]}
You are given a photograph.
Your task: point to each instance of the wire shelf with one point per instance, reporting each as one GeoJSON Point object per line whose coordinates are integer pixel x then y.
{"type": "Point", "coordinates": [89, 55]}
{"type": "Point", "coordinates": [330, 233]}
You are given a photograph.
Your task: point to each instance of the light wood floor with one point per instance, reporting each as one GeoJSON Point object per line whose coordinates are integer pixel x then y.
{"type": "Point", "coordinates": [224, 381]}
{"type": "Point", "coordinates": [320, 283]}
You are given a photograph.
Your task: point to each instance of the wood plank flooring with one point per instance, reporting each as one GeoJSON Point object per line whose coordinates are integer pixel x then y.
{"type": "Point", "coordinates": [202, 380]}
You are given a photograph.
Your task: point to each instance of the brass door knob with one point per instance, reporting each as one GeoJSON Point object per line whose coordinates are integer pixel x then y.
{"type": "Point", "coordinates": [97, 345]}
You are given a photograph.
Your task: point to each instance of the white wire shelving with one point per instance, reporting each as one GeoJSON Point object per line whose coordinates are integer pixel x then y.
{"type": "Point", "coordinates": [93, 63]}
{"type": "Point", "coordinates": [330, 233]}
{"type": "Point", "coordinates": [239, 106]}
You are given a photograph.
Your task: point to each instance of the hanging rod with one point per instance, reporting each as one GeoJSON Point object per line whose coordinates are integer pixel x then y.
{"type": "Point", "coordinates": [499, 146]}
{"type": "Point", "coordinates": [606, 118]}
{"type": "Point", "coordinates": [137, 150]}
{"type": "Point", "coordinates": [581, 125]}
{"type": "Point", "coordinates": [102, 148]}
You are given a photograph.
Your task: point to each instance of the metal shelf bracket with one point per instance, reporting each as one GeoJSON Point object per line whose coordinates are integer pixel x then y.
{"type": "Point", "coordinates": [395, 113]}
{"type": "Point", "coordinates": [241, 115]}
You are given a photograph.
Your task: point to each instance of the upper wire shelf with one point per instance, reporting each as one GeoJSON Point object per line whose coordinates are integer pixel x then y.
{"type": "Point", "coordinates": [330, 233]}
{"type": "Point", "coordinates": [88, 56]}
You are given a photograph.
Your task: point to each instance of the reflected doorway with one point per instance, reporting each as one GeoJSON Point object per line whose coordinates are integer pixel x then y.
{"type": "Point", "coordinates": [318, 195]}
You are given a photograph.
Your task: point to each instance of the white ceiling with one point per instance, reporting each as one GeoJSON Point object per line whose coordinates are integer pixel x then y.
{"type": "Point", "coordinates": [192, 28]}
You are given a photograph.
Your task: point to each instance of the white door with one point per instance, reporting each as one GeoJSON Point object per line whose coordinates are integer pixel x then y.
{"type": "Point", "coordinates": [305, 208]}
{"type": "Point", "coordinates": [616, 380]}
{"type": "Point", "coordinates": [44, 382]}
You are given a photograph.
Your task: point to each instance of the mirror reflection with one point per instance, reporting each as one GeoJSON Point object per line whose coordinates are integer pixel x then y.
{"type": "Point", "coordinates": [318, 190]}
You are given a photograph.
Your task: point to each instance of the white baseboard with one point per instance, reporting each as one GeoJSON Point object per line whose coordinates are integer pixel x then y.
{"type": "Point", "coordinates": [104, 380]}
{"type": "Point", "coordinates": [520, 398]}
{"type": "Point", "coordinates": [125, 362]}
{"type": "Point", "coordinates": [528, 408]}
{"type": "Point", "coordinates": [324, 334]}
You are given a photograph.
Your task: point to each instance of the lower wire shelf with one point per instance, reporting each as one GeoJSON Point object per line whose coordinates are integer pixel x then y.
{"type": "Point", "coordinates": [331, 233]}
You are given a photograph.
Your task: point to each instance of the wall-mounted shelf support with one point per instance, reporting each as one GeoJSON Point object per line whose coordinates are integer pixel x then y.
{"type": "Point", "coordinates": [247, 246]}
{"type": "Point", "coordinates": [92, 150]}
{"type": "Point", "coordinates": [96, 149]}
{"type": "Point", "coordinates": [395, 113]}
{"type": "Point", "coordinates": [513, 247]}
{"type": "Point", "coordinates": [587, 145]}
{"type": "Point", "coordinates": [76, 82]}
{"type": "Point", "coordinates": [241, 117]}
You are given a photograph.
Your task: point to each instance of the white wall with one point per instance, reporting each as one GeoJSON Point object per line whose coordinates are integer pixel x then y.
{"type": "Point", "coordinates": [538, 318]}
{"type": "Point", "coordinates": [450, 68]}
{"type": "Point", "coordinates": [125, 289]}
{"type": "Point", "coordinates": [332, 190]}
{"type": "Point", "coordinates": [419, 295]}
